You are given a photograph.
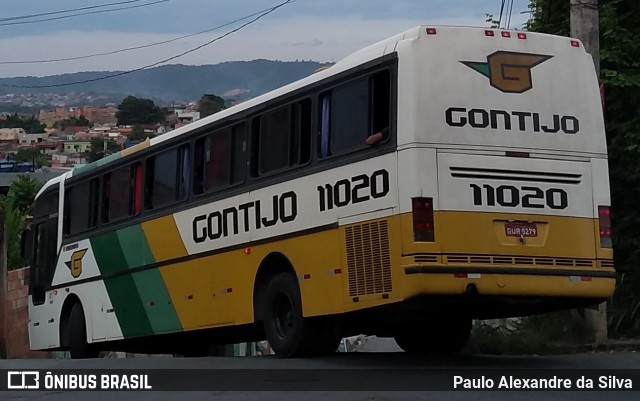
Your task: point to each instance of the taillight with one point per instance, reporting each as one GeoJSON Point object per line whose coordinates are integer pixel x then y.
{"type": "Point", "coordinates": [604, 219]}
{"type": "Point", "coordinates": [423, 229]}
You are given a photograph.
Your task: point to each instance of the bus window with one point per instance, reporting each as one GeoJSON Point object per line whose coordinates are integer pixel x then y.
{"type": "Point", "coordinates": [81, 207]}
{"type": "Point", "coordinates": [220, 159]}
{"type": "Point", "coordinates": [273, 138]}
{"type": "Point", "coordinates": [165, 182]}
{"type": "Point", "coordinates": [301, 132]}
{"type": "Point", "coordinates": [281, 138]}
{"type": "Point", "coordinates": [118, 194]}
{"type": "Point", "coordinates": [43, 258]}
{"type": "Point", "coordinates": [353, 112]}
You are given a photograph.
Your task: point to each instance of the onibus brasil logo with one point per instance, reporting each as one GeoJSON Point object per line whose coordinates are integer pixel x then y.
{"type": "Point", "coordinates": [508, 72]}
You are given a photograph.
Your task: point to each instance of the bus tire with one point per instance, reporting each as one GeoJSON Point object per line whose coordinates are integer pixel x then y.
{"type": "Point", "coordinates": [288, 333]}
{"type": "Point", "coordinates": [77, 335]}
{"type": "Point", "coordinates": [443, 337]}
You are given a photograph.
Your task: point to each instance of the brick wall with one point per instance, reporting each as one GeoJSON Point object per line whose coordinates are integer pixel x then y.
{"type": "Point", "coordinates": [16, 317]}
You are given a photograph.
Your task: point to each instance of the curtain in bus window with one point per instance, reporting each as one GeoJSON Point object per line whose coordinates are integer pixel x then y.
{"type": "Point", "coordinates": [186, 172]}
{"type": "Point", "coordinates": [324, 130]}
{"type": "Point", "coordinates": [137, 189]}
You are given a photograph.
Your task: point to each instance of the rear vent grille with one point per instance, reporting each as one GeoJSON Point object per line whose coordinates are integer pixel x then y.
{"type": "Point", "coordinates": [515, 175]}
{"type": "Point", "coordinates": [520, 261]}
{"type": "Point", "coordinates": [426, 258]}
{"type": "Point", "coordinates": [368, 258]}
{"type": "Point", "coordinates": [607, 264]}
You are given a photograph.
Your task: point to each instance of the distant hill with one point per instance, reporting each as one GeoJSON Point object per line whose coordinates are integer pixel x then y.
{"type": "Point", "coordinates": [236, 79]}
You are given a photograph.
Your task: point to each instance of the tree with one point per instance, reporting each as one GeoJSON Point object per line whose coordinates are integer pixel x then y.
{"type": "Point", "coordinates": [134, 111]}
{"type": "Point", "coordinates": [97, 148]}
{"type": "Point", "coordinates": [210, 104]}
{"type": "Point", "coordinates": [30, 125]}
{"type": "Point", "coordinates": [138, 134]}
{"type": "Point", "coordinates": [72, 122]}
{"type": "Point", "coordinates": [30, 155]}
{"type": "Point", "coordinates": [620, 73]}
{"type": "Point", "coordinates": [16, 206]}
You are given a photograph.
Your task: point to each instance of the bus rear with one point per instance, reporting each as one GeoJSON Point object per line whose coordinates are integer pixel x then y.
{"type": "Point", "coordinates": [503, 177]}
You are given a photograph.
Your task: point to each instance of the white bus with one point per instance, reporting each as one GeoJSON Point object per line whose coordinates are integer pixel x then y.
{"type": "Point", "coordinates": [442, 175]}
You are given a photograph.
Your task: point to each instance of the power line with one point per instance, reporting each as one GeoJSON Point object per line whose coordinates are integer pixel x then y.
{"type": "Point", "coordinates": [126, 49]}
{"type": "Point", "coordinates": [501, 11]}
{"type": "Point", "coordinates": [121, 73]}
{"type": "Point", "coordinates": [68, 11]}
{"type": "Point", "coordinates": [510, 13]}
{"type": "Point", "coordinates": [83, 13]}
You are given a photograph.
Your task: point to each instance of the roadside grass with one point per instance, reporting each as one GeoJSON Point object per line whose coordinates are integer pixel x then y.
{"type": "Point", "coordinates": [544, 334]}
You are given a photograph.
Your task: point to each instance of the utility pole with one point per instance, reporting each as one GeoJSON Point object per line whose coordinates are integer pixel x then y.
{"type": "Point", "coordinates": [590, 323]}
{"type": "Point", "coordinates": [585, 25]}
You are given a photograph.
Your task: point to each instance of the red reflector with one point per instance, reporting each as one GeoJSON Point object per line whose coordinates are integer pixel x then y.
{"type": "Point", "coordinates": [522, 35]}
{"type": "Point", "coordinates": [460, 275]}
{"type": "Point", "coordinates": [506, 34]}
{"type": "Point", "coordinates": [575, 43]}
{"type": "Point", "coordinates": [307, 276]}
{"type": "Point", "coordinates": [489, 32]}
{"type": "Point", "coordinates": [423, 225]}
{"type": "Point", "coordinates": [604, 222]}
{"type": "Point", "coordinates": [583, 278]}
{"type": "Point", "coordinates": [431, 31]}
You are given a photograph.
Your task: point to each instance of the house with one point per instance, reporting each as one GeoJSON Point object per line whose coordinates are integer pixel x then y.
{"type": "Point", "coordinates": [76, 146]}
{"type": "Point", "coordinates": [30, 139]}
{"type": "Point", "coordinates": [11, 134]}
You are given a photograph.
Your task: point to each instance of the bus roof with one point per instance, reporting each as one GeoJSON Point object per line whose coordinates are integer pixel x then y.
{"type": "Point", "coordinates": [359, 57]}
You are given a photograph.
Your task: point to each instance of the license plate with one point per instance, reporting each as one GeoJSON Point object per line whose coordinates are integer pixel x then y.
{"type": "Point", "coordinates": [521, 230]}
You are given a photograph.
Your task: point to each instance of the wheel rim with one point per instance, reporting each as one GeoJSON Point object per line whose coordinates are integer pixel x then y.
{"type": "Point", "coordinates": [283, 315]}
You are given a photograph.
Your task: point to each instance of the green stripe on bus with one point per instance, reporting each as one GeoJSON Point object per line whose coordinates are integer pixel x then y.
{"type": "Point", "coordinates": [108, 159]}
{"type": "Point", "coordinates": [84, 169]}
{"type": "Point", "coordinates": [134, 246]}
{"type": "Point", "coordinates": [149, 283]}
{"type": "Point", "coordinates": [157, 303]}
{"type": "Point", "coordinates": [128, 308]}
{"type": "Point", "coordinates": [106, 248]}
{"type": "Point", "coordinates": [122, 289]}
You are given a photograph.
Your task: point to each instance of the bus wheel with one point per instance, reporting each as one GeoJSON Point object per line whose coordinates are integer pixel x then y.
{"type": "Point", "coordinates": [435, 337]}
{"type": "Point", "coordinates": [288, 333]}
{"type": "Point", "coordinates": [77, 335]}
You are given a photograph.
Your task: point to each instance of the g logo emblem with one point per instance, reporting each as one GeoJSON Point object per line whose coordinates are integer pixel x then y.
{"type": "Point", "coordinates": [75, 264]}
{"type": "Point", "coordinates": [507, 71]}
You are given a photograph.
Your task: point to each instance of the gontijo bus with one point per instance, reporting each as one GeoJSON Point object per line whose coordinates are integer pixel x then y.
{"type": "Point", "coordinates": [441, 175]}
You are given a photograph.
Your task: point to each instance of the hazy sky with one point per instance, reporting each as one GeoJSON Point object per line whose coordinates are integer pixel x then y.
{"type": "Point", "coordinates": [304, 29]}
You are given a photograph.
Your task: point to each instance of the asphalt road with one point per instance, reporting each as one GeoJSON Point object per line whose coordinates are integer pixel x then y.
{"type": "Point", "coordinates": [357, 371]}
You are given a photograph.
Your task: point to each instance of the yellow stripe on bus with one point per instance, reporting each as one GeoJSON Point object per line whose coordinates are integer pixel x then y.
{"type": "Point", "coordinates": [164, 238]}
{"type": "Point", "coordinates": [141, 146]}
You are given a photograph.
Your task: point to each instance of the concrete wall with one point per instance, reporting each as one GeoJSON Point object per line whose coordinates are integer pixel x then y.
{"type": "Point", "coordinates": [16, 317]}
